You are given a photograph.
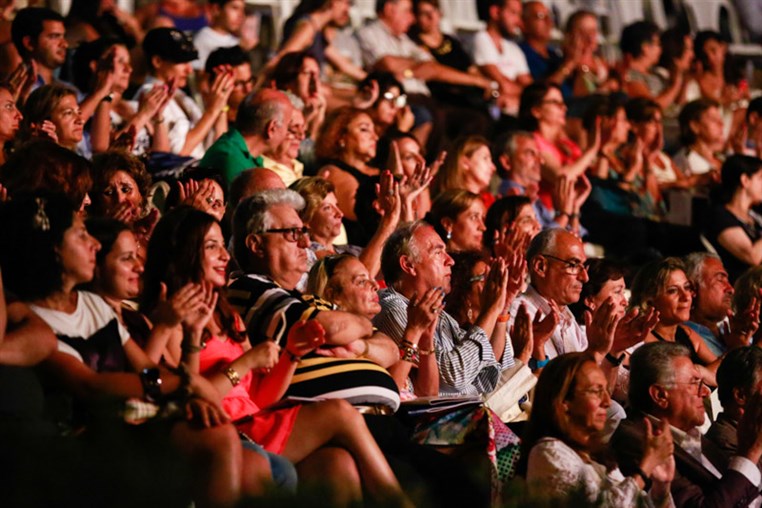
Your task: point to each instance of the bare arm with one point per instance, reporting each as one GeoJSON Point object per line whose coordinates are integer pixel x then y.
{"type": "Point", "coordinates": [735, 241]}
{"type": "Point", "coordinates": [27, 340]}
{"type": "Point", "coordinates": [342, 327]}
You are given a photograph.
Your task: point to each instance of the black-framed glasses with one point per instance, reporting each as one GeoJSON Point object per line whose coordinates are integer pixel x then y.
{"type": "Point", "coordinates": [573, 267]}
{"type": "Point", "coordinates": [290, 234]}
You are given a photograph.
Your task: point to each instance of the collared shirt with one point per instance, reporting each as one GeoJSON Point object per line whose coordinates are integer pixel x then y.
{"type": "Point", "coordinates": [568, 336]}
{"type": "Point", "coordinates": [467, 364]}
{"type": "Point", "coordinates": [287, 174]}
{"type": "Point", "coordinates": [377, 41]}
{"type": "Point", "coordinates": [691, 443]}
{"type": "Point", "coordinates": [230, 156]}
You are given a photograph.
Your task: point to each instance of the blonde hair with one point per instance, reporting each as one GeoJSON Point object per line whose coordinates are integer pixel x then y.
{"type": "Point", "coordinates": [451, 175]}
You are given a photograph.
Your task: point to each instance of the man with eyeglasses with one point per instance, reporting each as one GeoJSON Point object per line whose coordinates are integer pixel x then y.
{"type": "Point", "coordinates": [666, 385]}
{"type": "Point", "coordinates": [556, 262]}
{"type": "Point", "coordinates": [270, 245]}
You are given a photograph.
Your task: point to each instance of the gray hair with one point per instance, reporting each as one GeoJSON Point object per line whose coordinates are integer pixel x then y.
{"type": "Point", "coordinates": [511, 143]}
{"type": "Point", "coordinates": [397, 245]}
{"type": "Point", "coordinates": [543, 243]}
{"type": "Point", "coordinates": [257, 110]}
{"type": "Point", "coordinates": [295, 100]}
{"type": "Point", "coordinates": [694, 266]}
{"type": "Point", "coordinates": [252, 216]}
{"type": "Point", "coordinates": [652, 364]}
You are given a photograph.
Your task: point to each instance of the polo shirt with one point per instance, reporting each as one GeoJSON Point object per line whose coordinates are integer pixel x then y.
{"type": "Point", "coordinates": [230, 156]}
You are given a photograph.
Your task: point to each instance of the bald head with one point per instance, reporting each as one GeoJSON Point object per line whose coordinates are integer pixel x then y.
{"type": "Point", "coordinates": [252, 181]}
{"type": "Point", "coordinates": [259, 111]}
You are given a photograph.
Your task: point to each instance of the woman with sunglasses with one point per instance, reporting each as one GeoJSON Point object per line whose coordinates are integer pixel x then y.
{"type": "Point", "coordinates": [663, 286]}
{"type": "Point", "coordinates": [563, 440]}
{"type": "Point", "coordinates": [188, 247]}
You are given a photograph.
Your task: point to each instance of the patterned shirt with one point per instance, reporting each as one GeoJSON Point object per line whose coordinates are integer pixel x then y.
{"type": "Point", "coordinates": [268, 310]}
{"type": "Point", "coordinates": [467, 364]}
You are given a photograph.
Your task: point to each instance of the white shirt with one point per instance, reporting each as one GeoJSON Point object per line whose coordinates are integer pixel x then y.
{"type": "Point", "coordinates": [207, 40]}
{"type": "Point", "coordinates": [508, 58]}
{"type": "Point", "coordinates": [91, 315]}
{"type": "Point", "coordinates": [555, 470]}
{"type": "Point", "coordinates": [568, 336]}
{"type": "Point", "coordinates": [181, 114]}
{"type": "Point", "coordinates": [376, 42]}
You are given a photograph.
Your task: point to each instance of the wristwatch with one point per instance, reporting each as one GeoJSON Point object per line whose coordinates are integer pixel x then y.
{"type": "Point", "coordinates": [150, 378]}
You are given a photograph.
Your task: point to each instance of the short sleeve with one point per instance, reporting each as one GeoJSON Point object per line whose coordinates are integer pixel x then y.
{"type": "Point", "coordinates": [485, 52]}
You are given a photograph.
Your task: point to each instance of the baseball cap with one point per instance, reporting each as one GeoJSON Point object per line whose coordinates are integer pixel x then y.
{"type": "Point", "coordinates": [170, 44]}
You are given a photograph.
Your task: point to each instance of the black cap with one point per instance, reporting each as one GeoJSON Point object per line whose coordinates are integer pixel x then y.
{"type": "Point", "coordinates": [170, 44]}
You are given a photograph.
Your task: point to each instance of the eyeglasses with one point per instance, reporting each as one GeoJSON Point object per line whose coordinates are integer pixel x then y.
{"type": "Point", "coordinates": [571, 267]}
{"type": "Point", "coordinates": [290, 234]}
{"type": "Point", "coordinates": [698, 383]}
{"type": "Point", "coordinates": [399, 101]}
{"type": "Point", "coordinates": [555, 102]}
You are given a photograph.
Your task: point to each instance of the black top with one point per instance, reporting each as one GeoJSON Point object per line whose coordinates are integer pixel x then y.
{"type": "Point", "coordinates": [718, 221]}
{"type": "Point", "coordinates": [681, 337]}
{"type": "Point", "coordinates": [451, 54]}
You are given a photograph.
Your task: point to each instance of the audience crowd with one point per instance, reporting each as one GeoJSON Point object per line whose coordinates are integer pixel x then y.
{"type": "Point", "coordinates": [387, 266]}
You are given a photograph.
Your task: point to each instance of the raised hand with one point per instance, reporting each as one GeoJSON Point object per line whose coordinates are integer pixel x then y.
{"type": "Point", "coordinates": [388, 198]}
{"type": "Point", "coordinates": [543, 328]}
{"type": "Point", "coordinates": [199, 195]}
{"type": "Point", "coordinates": [367, 96]}
{"type": "Point", "coordinates": [522, 336]}
{"type": "Point", "coordinates": [421, 312]}
{"type": "Point", "coordinates": [633, 328]}
{"type": "Point", "coordinates": [45, 129]}
{"type": "Point", "coordinates": [601, 327]}
{"type": "Point", "coordinates": [125, 141]}
{"type": "Point", "coordinates": [204, 304]}
{"type": "Point", "coordinates": [22, 79]}
{"type": "Point", "coordinates": [221, 88]}
{"type": "Point", "coordinates": [658, 451]}
{"type": "Point", "coordinates": [744, 325]}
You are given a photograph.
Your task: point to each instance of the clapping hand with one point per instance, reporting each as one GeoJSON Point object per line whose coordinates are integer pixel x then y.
{"type": "Point", "coordinates": [601, 327]}
{"type": "Point", "coordinates": [522, 337]}
{"type": "Point", "coordinates": [633, 328]}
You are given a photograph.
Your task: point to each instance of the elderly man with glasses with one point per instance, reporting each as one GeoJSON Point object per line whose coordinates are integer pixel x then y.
{"type": "Point", "coordinates": [556, 262]}
{"type": "Point", "coordinates": [666, 385]}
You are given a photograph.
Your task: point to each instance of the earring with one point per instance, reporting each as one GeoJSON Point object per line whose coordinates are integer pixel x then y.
{"type": "Point", "coordinates": [342, 144]}
{"type": "Point", "coordinates": [449, 235]}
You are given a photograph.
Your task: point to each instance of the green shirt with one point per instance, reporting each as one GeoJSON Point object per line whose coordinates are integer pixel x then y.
{"type": "Point", "coordinates": [230, 156]}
